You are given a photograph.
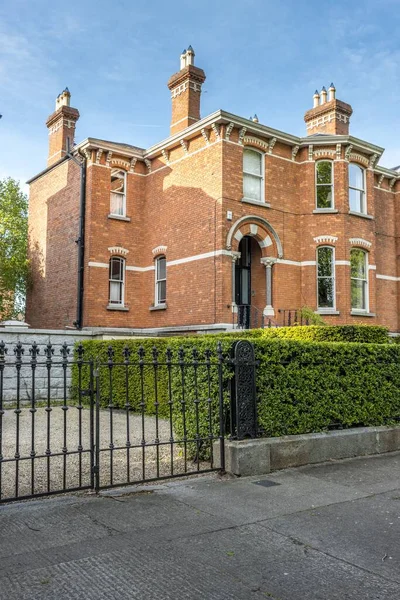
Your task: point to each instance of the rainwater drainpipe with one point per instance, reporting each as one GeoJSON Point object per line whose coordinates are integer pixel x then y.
{"type": "Point", "coordinates": [81, 238]}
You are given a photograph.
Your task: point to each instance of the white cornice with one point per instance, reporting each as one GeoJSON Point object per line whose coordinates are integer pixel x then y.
{"type": "Point", "coordinates": [222, 117]}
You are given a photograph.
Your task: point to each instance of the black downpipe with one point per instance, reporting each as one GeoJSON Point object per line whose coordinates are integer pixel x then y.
{"type": "Point", "coordinates": [81, 238]}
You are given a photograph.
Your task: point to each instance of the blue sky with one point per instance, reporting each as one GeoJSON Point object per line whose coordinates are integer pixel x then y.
{"type": "Point", "coordinates": [260, 56]}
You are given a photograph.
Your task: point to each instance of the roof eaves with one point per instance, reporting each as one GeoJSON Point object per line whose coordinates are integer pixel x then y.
{"type": "Point", "coordinates": [47, 170]}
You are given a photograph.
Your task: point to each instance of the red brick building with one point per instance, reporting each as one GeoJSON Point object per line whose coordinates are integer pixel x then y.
{"type": "Point", "coordinates": [224, 213]}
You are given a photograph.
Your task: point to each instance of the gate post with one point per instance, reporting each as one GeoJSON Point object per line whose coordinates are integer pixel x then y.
{"type": "Point", "coordinates": [243, 392]}
{"type": "Point", "coordinates": [96, 463]}
{"type": "Point", "coordinates": [221, 408]}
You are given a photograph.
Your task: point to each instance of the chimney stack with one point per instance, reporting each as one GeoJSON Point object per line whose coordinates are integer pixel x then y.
{"type": "Point", "coordinates": [61, 125]}
{"type": "Point", "coordinates": [185, 88]}
{"type": "Point", "coordinates": [328, 115]}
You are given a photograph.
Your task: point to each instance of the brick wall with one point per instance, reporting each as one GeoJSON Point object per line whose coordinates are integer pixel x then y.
{"type": "Point", "coordinates": [53, 229]}
{"type": "Point", "coordinates": [181, 200]}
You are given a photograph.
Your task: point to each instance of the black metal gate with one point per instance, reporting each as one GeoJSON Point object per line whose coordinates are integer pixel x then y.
{"type": "Point", "coordinates": [70, 424]}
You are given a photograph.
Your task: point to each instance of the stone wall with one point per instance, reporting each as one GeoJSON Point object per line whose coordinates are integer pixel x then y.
{"type": "Point", "coordinates": [11, 336]}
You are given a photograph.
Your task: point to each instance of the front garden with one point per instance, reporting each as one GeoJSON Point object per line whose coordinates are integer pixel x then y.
{"type": "Point", "coordinates": [309, 379]}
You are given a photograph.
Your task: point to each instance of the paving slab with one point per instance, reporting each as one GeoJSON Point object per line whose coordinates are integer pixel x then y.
{"type": "Point", "coordinates": [320, 533]}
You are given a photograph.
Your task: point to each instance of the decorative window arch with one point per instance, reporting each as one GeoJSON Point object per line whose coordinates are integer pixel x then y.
{"type": "Point", "coordinates": [357, 191]}
{"type": "Point", "coordinates": [118, 193]}
{"type": "Point", "coordinates": [160, 280]}
{"type": "Point", "coordinates": [359, 279]}
{"type": "Point", "coordinates": [324, 189]}
{"type": "Point", "coordinates": [253, 174]}
{"type": "Point", "coordinates": [326, 278]}
{"type": "Point", "coordinates": [117, 281]}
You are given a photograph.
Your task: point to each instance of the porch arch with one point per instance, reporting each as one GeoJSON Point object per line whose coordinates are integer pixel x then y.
{"type": "Point", "coordinates": [258, 228]}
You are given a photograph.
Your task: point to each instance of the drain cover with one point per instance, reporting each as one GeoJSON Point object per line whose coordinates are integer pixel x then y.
{"type": "Point", "coordinates": [266, 483]}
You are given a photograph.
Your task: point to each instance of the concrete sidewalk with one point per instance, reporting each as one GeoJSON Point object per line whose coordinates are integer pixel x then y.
{"type": "Point", "coordinates": [323, 532]}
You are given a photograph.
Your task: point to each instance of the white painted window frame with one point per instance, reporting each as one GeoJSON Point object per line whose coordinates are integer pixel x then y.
{"type": "Point", "coordinates": [121, 282]}
{"type": "Point", "coordinates": [122, 194]}
{"type": "Point", "coordinates": [333, 308]}
{"type": "Point", "coordinates": [366, 309]}
{"type": "Point", "coordinates": [262, 176]}
{"type": "Point", "coordinates": [157, 281]}
{"type": "Point", "coordinates": [364, 191]}
{"type": "Point", "coordinates": [332, 207]}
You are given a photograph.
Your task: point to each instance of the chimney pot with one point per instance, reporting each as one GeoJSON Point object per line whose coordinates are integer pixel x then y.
{"type": "Point", "coordinates": [255, 118]}
{"type": "Point", "coordinates": [183, 59]}
{"type": "Point", "coordinates": [332, 92]}
{"type": "Point", "coordinates": [190, 56]}
{"type": "Point", "coordinates": [323, 95]}
{"type": "Point", "coordinates": [316, 99]}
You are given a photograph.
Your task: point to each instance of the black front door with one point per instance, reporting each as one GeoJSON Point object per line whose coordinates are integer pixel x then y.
{"type": "Point", "coordinates": [243, 283]}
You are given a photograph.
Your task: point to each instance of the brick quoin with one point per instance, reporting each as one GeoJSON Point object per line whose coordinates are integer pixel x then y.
{"type": "Point", "coordinates": [184, 200]}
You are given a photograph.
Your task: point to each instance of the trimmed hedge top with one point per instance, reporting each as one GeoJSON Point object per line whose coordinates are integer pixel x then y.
{"type": "Point", "coordinates": [366, 334]}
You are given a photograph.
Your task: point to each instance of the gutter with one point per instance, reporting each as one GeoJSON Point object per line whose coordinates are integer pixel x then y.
{"type": "Point", "coordinates": [81, 238]}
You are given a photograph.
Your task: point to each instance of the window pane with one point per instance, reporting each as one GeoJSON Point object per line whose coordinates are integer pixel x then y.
{"type": "Point", "coordinates": [162, 291]}
{"type": "Point", "coordinates": [161, 268]}
{"type": "Point", "coordinates": [118, 181]}
{"type": "Point", "coordinates": [115, 292]}
{"type": "Point", "coordinates": [244, 249]}
{"type": "Point", "coordinates": [252, 162]}
{"type": "Point", "coordinates": [116, 269]}
{"type": "Point", "coordinates": [252, 187]}
{"type": "Point", "coordinates": [325, 292]}
{"type": "Point", "coordinates": [324, 172]}
{"type": "Point", "coordinates": [358, 264]}
{"type": "Point", "coordinates": [356, 200]}
{"type": "Point", "coordinates": [358, 294]}
{"type": "Point", "coordinates": [325, 257]}
{"type": "Point", "coordinates": [116, 204]}
{"type": "Point", "coordinates": [245, 273]}
{"type": "Point", "coordinates": [324, 196]}
{"type": "Point", "coordinates": [356, 177]}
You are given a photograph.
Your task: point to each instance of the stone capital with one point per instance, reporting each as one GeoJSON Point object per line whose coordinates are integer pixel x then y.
{"type": "Point", "coordinates": [268, 262]}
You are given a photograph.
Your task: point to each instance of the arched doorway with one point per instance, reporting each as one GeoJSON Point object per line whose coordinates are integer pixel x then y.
{"type": "Point", "coordinates": [249, 284]}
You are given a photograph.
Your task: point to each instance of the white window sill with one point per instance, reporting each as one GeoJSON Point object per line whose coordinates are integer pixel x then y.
{"type": "Point", "coordinates": [325, 211]}
{"type": "Point", "coordinates": [327, 311]}
{"type": "Point", "coordinates": [119, 218]}
{"type": "Point", "coordinates": [363, 215]}
{"type": "Point", "coordinates": [117, 307]}
{"type": "Point", "coordinates": [256, 202]}
{"type": "Point", "coordinates": [158, 307]}
{"type": "Point", "coordinates": [362, 313]}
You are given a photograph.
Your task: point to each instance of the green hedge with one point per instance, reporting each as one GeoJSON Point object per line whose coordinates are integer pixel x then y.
{"type": "Point", "coordinates": [171, 387]}
{"type": "Point", "coordinates": [303, 386]}
{"type": "Point", "coordinates": [308, 387]}
{"type": "Point", "coordinates": [369, 334]}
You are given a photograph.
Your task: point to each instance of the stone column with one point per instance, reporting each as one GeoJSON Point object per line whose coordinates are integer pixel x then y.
{"type": "Point", "coordinates": [235, 258]}
{"type": "Point", "coordinates": [268, 263]}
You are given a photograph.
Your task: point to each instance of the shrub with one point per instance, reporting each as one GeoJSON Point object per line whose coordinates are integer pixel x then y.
{"type": "Point", "coordinates": [302, 386]}
{"type": "Point", "coordinates": [306, 387]}
{"type": "Point", "coordinates": [331, 333]}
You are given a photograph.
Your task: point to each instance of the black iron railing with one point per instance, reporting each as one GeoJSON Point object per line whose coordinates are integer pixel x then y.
{"type": "Point", "coordinates": [71, 422]}
{"type": "Point", "coordinates": [292, 316]}
{"type": "Point", "coordinates": [247, 316]}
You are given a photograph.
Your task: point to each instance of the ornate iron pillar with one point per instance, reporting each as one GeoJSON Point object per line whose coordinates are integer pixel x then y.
{"type": "Point", "coordinates": [243, 392]}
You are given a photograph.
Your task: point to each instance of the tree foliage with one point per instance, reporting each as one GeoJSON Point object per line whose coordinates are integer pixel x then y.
{"type": "Point", "coordinates": [13, 248]}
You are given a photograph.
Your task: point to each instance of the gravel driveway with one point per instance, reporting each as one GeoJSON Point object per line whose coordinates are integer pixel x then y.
{"type": "Point", "coordinates": [125, 465]}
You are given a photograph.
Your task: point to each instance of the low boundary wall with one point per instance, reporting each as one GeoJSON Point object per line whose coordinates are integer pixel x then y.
{"type": "Point", "coordinates": [263, 455]}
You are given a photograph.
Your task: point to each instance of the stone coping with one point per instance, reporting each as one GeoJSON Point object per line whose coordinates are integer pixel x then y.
{"type": "Point", "coordinates": [263, 455]}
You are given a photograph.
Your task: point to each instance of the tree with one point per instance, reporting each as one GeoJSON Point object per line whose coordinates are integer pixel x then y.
{"type": "Point", "coordinates": [13, 248]}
